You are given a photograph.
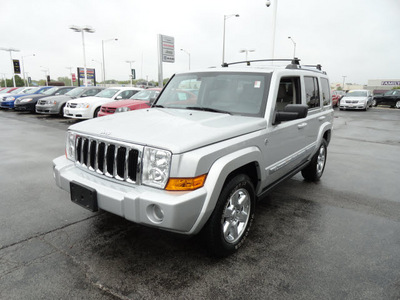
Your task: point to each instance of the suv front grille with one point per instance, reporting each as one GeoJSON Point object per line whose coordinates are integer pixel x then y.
{"type": "Point", "coordinates": [114, 160]}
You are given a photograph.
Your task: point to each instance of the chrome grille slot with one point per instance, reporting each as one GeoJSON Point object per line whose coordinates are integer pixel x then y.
{"type": "Point", "coordinates": [112, 159]}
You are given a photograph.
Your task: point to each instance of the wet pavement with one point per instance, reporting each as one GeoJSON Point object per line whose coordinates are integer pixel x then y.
{"type": "Point", "coordinates": [335, 239]}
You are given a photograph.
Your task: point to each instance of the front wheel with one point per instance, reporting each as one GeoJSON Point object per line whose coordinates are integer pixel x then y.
{"type": "Point", "coordinates": [398, 104]}
{"type": "Point", "coordinates": [374, 103]}
{"type": "Point", "coordinates": [315, 169]}
{"type": "Point", "coordinates": [96, 112]}
{"type": "Point", "coordinates": [231, 219]}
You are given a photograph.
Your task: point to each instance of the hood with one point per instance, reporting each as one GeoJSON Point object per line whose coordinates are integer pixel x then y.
{"type": "Point", "coordinates": [90, 100]}
{"type": "Point", "coordinates": [59, 98]}
{"type": "Point", "coordinates": [176, 130]}
{"type": "Point", "coordinates": [126, 103]}
{"type": "Point", "coordinates": [355, 98]}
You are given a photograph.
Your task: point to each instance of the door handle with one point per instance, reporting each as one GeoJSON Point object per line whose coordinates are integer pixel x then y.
{"type": "Point", "coordinates": [321, 118]}
{"type": "Point", "coordinates": [302, 125]}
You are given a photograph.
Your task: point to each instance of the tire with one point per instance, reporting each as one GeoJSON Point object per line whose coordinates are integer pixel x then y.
{"type": "Point", "coordinates": [96, 112]}
{"type": "Point", "coordinates": [230, 222]}
{"type": "Point", "coordinates": [61, 113]}
{"type": "Point", "coordinates": [398, 104]}
{"type": "Point", "coordinates": [315, 169]}
{"type": "Point", "coordinates": [374, 104]}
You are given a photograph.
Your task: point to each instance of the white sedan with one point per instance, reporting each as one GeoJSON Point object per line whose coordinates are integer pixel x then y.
{"type": "Point", "coordinates": [89, 107]}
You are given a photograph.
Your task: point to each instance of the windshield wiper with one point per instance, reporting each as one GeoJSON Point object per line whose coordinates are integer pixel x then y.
{"type": "Point", "coordinates": [209, 109]}
{"type": "Point", "coordinates": [157, 105]}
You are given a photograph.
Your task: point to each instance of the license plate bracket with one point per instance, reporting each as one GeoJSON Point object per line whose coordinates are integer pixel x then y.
{"type": "Point", "coordinates": [84, 196]}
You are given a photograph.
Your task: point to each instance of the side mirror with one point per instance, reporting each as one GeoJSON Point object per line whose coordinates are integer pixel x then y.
{"type": "Point", "coordinates": [84, 95]}
{"type": "Point", "coordinates": [291, 112]}
{"type": "Point", "coordinates": [118, 98]}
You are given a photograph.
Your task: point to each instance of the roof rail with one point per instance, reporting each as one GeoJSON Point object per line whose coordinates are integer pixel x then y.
{"type": "Point", "coordinates": [294, 61]}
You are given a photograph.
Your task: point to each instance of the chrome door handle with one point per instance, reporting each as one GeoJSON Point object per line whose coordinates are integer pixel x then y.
{"type": "Point", "coordinates": [321, 118]}
{"type": "Point", "coordinates": [302, 125]}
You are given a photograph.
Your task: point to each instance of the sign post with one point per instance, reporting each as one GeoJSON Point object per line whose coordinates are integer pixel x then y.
{"type": "Point", "coordinates": [166, 53]}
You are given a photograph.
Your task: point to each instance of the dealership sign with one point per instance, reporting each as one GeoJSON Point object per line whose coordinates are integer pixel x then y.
{"type": "Point", "coordinates": [167, 48]}
{"type": "Point", "coordinates": [390, 83]}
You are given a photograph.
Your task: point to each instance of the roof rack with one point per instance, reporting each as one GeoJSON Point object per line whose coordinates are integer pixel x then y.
{"type": "Point", "coordinates": [294, 64]}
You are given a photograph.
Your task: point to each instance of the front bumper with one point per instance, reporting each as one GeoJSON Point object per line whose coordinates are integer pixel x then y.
{"type": "Point", "coordinates": [7, 104]}
{"type": "Point", "coordinates": [136, 203]}
{"type": "Point", "coordinates": [25, 107]}
{"type": "Point", "coordinates": [353, 105]}
{"type": "Point", "coordinates": [47, 109]}
{"type": "Point", "coordinates": [77, 113]}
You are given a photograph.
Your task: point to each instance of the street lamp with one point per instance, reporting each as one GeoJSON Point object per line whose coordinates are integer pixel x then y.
{"type": "Point", "coordinates": [5, 79]}
{"type": "Point", "coordinates": [130, 62]}
{"type": "Point", "coordinates": [104, 63]}
{"type": "Point", "coordinates": [268, 4]}
{"type": "Point", "coordinates": [83, 29]}
{"type": "Point", "coordinates": [23, 66]}
{"type": "Point", "coordinates": [187, 52]}
{"type": "Point", "coordinates": [47, 72]}
{"type": "Point", "coordinates": [223, 39]}
{"type": "Point", "coordinates": [344, 77]}
{"type": "Point", "coordinates": [12, 63]}
{"type": "Point", "coordinates": [294, 46]}
{"type": "Point", "coordinates": [246, 51]}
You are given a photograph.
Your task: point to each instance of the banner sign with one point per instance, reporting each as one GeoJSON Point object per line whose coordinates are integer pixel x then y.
{"type": "Point", "coordinates": [390, 83]}
{"type": "Point", "coordinates": [167, 48]}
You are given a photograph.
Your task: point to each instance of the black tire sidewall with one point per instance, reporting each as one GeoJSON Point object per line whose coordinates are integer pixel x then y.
{"type": "Point", "coordinates": [310, 172]}
{"type": "Point", "coordinates": [214, 235]}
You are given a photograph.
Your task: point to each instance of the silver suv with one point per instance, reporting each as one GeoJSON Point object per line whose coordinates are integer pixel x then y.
{"type": "Point", "coordinates": [213, 143]}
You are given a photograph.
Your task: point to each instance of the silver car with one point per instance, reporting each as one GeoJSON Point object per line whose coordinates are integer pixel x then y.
{"type": "Point", "coordinates": [55, 105]}
{"type": "Point", "coordinates": [356, 99]}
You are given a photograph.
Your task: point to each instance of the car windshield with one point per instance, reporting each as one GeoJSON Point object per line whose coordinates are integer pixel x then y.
{"type": "Point", "coordinates": [225, 92]}
{"type": "Point", "coordinates": [390, 93]}
{"type": "Point", "coordinates": [75, 92]}
{"type": "Point", "coordinates": [31, 90]}
{"type": "Point", "coordinates": [50, 91]}
{"type": "Point", "coordinates": [16, 91]}
{"type": "Point", "coordinates": [107, 93]}
{"type": "Point", "coordinates": [145, 95]}
{"type": "Point", "coordinates": [357, 94]}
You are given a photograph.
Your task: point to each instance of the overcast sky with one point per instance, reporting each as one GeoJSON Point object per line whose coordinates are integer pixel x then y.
{"type": "Point", "coordinates": [358, 39]}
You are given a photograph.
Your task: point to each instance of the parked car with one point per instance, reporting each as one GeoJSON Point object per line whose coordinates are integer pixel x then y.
{"type": "Point", "coordinates": [54, 105]}
{"type": "Point", "coordinates": [140, 100]}
{"type": "Point", "coordinates": [336, 96]}
{"type": "Point", "coordinates": [89, 107]}
{"type": "Point", "coordinates": [356, 99]}
{"type": "Point", "coordinates": [391, 98]}
{"type": "Point", "coordinates": [28, 103]}
{"type": "Point", "coordinates": [200, 164]}
{"type": "Point", "coordinates": [9, 101]}
{"type": "Point", "coordinates": [13, 91]}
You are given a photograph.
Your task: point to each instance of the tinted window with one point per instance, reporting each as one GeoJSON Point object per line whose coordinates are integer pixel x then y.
{"type": "Point", "coordinates": [288, 92]}
{"type": "Point", "coordinates": [312, 92]}
{"type": "Point", "coordinates": [326, 97]}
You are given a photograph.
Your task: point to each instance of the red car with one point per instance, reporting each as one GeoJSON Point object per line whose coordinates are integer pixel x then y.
{"type": "Point", "coordinates": [140, 100]}
{"type": "Point", "coordinates": [336, 96]}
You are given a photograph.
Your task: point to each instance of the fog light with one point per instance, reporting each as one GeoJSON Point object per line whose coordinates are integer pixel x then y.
{"type": "Point", "coordinates": [155, 213]}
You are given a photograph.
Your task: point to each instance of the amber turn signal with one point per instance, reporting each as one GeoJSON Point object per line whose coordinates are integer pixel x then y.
{"type": "Point", "coordinates": [186, 184]}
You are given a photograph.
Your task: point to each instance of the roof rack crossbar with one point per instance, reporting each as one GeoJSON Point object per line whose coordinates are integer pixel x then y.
{"type": "Point", "coordinates": [294, 61]}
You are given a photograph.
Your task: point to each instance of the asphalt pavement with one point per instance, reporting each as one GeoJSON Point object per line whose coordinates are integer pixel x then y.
{"type": "Point", "coordinates": [335, 239]}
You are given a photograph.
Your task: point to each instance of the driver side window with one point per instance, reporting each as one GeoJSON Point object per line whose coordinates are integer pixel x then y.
{"type": "Point", "coordinates": [288, 92]}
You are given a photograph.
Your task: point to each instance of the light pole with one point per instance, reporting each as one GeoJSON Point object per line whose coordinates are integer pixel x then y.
{"type": "Point", "coordinates": [104, 63]}
{"type": "Point", "coordinates": [246, 51]}
{"type": "Point", "coordinates": [70, 73]}
{"type": "Point", "coordinates": [83, 29]}
{"type": "Point", "coordinates": [47, 72]}
{"type": "Point", "coordinates": [223, 39]}
{"type": "Point", "coordinates": [344, 77]}
{"type": "Point", "coordinates": [5, 79]}
{"type": "Point", "coordinates": [23, 66]}
{"type": "Point", "coordinates": [294, 46]}
{"type": "Point", "coordinates": [188, 53]}
{"type": "Point", "coordinates": [130, 62]}
{"type": "Point", "coordinates": [268, 4]}
{"type": "Point", "coordinates": [99, 62]}
{"type": "Point", "coordinates": [12, 63]}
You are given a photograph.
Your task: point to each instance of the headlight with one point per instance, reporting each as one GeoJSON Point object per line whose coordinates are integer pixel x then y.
{"type": "Point", "coordinates": [83, 105]}
{"type": "Point", "coordinates": [26, 100]}
{"type": "Point", "coordinates": [122, 109]}
{"type": "Point", "coordinates": [156, 166]}
{"type": "Point", "coordinates": [70, 146]}
{"type": "Point", "coordinates": [9, 99]}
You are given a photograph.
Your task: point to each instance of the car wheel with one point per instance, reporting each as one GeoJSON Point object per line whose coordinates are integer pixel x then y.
{"type": "Point", "coordinates": [374, 103]}
{"type": "Point", "coordinates": [315, 169]}
{"type": "Point", "coordinates": [398, 104]}
{"type": "Point", "coordinates": [61, 113]}
{"type": "Point", "coordinates": [230, 222]}
{"type": "Point", "coordinates": [96, 112]}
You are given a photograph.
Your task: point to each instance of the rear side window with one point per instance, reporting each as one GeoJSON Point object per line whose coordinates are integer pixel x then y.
{"type": "Point", "coordinates": [312, 92]}
{"type": "Point", "coordinates": [326, 95]}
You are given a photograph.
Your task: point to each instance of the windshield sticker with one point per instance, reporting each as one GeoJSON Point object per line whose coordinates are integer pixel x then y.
{"type": "Point", "coordinates": [257, 84]}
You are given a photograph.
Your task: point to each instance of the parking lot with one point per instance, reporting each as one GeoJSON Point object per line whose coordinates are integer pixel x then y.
{"type": "Point", "coordinates": [335, 239]}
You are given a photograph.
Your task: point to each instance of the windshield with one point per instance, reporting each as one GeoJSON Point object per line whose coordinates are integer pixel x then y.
{"type": "Point", "coordinates": [390, 93]}
{"type": "Point", "coordinates": [357, 94]}
{"type": "Point", "coordinates": [107, 93]}
{"type": "Point", "coordinates": [229, 92]}
{"type": "Point", "coordinates": [75, 92]}
{"type": "Point", "coordinates": [145, 95]}
{"type": "Point", "coordinates": [29, 90]}
{"type": "Point", "coordinates": [17, 90]}
{"type": "Point", "coordinates": [50, 91]}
